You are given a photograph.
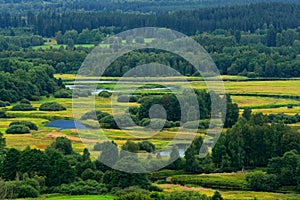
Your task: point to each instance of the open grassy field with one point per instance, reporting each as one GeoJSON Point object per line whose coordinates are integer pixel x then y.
{"type": "Point", "coordinates": [232, 194]}
{"type": "Point", "coordinates": [44, 136]}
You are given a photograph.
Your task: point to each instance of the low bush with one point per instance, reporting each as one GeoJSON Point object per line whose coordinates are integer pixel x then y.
{"type": "Point", "coordinates": [25, 101]}
{"type": "Point", "coordinates": [186, 195]}
{"type": "Point", "coordinates": [96, 115]}
{"type": "Point", "coordinates": [21, 189]}
{"type": "Point", "coordinates": [108, 122]}
{"type": "Point", "coordinates": [260, 181]}
{"type": "Point", "coordinates": [17, 129]}
{"type": "Point", "coordinates": [146, 146]}
{"type": "Point", "coordinates": [23, 107]}
{"type": "Point", "coordinates": [3, 114]}
{"type": "Point", "coordinates": [89, 187]}
{"type": "Point", "coordinates": [105, 94]}
{"type": "Point", "coordinates": [134, 196]}
{"type": "Point", "coordinates": [127, 98]}
{"type": "Point", "coordinates": [52, 106]}
{"type": "Point", "coordinates": [4, 103]}
{"type": "Point", "coordinates": [63, 93]}
{"type": "Point", "coordinates": [30, 125]}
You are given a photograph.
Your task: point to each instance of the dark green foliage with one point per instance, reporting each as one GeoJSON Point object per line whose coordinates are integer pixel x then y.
{"type": "Point", "coordinates": [124, 98]}
{"type": "Point", "coordinates": [176, 161]}
{"type": "Point", "coordinates": [285, 168]}
{"type": "Point", "coordinates": [22, 189]}
{"type": "Point", "coordinates": [52, 106]}
{"type": "Point", "coordinates": [88, 187]}
{"type": "Point", "coordinates": [17, 129]}
{"type": "Point", "coordinates": [30, 125]}
{"type": "Point", "coordinates": [23, 79]}
{"type": "Point", "coordinates": [34, 162]}
{"type": "Point", "coordinates": [247, 113]}
{"type": "Point", "coordinates": [61, 171]}
{"type": "Point", "coordinates": [25, 101]}
{"type": "Point", "coordinates": [63, 93]}
{"type": "Point", "coordinates": [108, 122]}
{"type": "Point", "coordinates": [63, 145]}
{"type": "Point", "coordinates": [2, 142]}
{"type": "Point", "coordinates": [242, 145]}
{"type": "Point", "coordinates": [122, 179]}
{"type": "Point", "coordinates": [232, 113]}
{"type": "Point", "coordinates": [146, 146]}
{"type": "Point", "coordinates": [287, 119]}
{"type": "Point", "coordinates": [187, 195]}
{"type": "Point", "coordinates": [4, 103]}
{"type": "Point", "coordinates": [26, 191]}
{"type": "Point", "coordinates": [10, 169]}
{"type": "Point", "coordinates": [23, 107]}
{"type": "Point", "coordinates": [109, 155]}
{"type": "Point", "coordinates": [260, 181]}
{"type": "Point", "coordinates": [87, 174]}
{"type": "Point", "coordinates": [217, 196]}
{"type": "Point", "coordinates": [3, 114]}
{"type": "Point", "coordinates": [96, 115]}
{"type": "Point", "coordinates": [129, 146]}
{"type": "Point", "coordinates": [134, 196]}
{"type": "Point", "coordinates": [192, 162]}
{"type": "Point", "coordinates": [105, 94]}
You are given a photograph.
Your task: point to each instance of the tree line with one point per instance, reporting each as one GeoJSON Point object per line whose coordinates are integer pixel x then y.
{"type": "Point", "coordinates": [243, 18]}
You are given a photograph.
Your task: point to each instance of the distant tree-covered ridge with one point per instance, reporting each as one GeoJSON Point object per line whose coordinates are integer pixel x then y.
{"type": "Point", "coordinates": [243, 18]}
{"type": "Point", "coordinates": [144, 6]}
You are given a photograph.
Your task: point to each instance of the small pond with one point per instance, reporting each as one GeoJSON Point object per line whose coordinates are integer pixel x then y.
{"type": "Point", "coordinates": [66, 124]}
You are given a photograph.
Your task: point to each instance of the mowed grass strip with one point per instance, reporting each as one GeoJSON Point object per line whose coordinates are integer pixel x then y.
{"type": "Point", "coordinates": [263, 102]}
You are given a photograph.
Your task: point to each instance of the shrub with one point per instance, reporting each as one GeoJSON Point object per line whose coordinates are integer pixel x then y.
{"type": "Point", "coordinates": [260, 181]}
{"type": "Point", "coordinates": [17, 129]}
{"type": "Point", "coordinates": [155, 188]}
{"type": "Point", "coordinates": [83, 188]}
{"type": "Point", "coordinates": [23, 107]}
{"type": "Point", "coordinates": [96, 115]}
{"type": "Point", "coordinates": [108, 122]}
{"type": "Point", "coordinates": [3, 114]}
{"type": "Point", "coordinates": [133, 110]}
{"type": "Point", "coordinates": [127, 98]}
{"type": "Point", "coordinates": [105, 94]}
{"type": "Point", "coordinates": [30, 125]}
{"type": "Point", "coordinates": [87, 174]}
{"type": "Point", "coordinates": [25, 191]}
{"type": "Point", "coordinates": [187, 195]}
{"type": "Point", "coordinates": [135, 196]}
{"type": "Point", "coordinates": [63, 93]}
{"type": "Point", "coordinates": [2, 104]}
{"type": "Point", "coordinates": [145, 122]}
{"type": "Point", "coordinates": [25, 101]}
{"type": "Point", "coordinates": [146, 146]}
{"type": "Point", "coordinates": [52, 106]}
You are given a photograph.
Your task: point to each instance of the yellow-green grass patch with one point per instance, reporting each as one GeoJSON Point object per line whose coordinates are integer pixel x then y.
{"type": "Point", "coordinates": [250, 101]}
{"type": "Point", "coordinates": [231, 195]}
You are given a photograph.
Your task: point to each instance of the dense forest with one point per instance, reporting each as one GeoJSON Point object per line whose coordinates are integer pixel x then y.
{"type": "Point", "coordinates": [144, 6]}
{"type": "Point", "coordinates": [251, 18]}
